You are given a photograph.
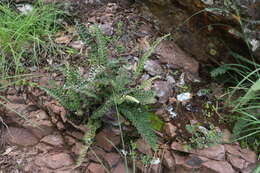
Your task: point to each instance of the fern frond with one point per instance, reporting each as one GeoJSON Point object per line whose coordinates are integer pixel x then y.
{"type": "Point", "coordinates": [84, 34]}
{"type": "Point", "coordinates": [103, 108]}
{"type": "Point", "coordinates": [144, 97]}
{"type": "Point", "coordinates": [219, 71]}
{"type": "Point", "coordinates": [140, 120]}
{"type": "Point", "coordinates": [148, 83]}
{"type": "Point", "coordinates": [67, 98]}
{"type": "Point", "coordinates": [88, 139]}
{"type": "Point", "coordinates": [101, 46]}
{"type": "Point", "coordinates": [129, 99]}
{"type": "Point", "coordinates": [121, 81]}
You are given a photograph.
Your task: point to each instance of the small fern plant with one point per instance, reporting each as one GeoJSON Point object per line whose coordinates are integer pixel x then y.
{"type": "Point", "coordinates": [109, 85]}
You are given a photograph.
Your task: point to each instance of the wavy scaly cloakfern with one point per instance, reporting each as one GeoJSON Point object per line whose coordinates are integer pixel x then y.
{"type": "Point", "coordinates": [88, 139]}
{"type": "Point", "coordinates": [109, 85]}
{"type": "Point", "coordinates": [139, 117]}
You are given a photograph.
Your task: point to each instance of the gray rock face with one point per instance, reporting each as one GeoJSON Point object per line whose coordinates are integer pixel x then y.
{"type": "Point", "coordinates": [103, 138]}
{"type": "Point", "coordinates": [219, 166]}
{"type": "Point", "coordinates": [153, 67]}
{"type": "Point", "coordinates": [163, 90]}
{"type": "Point", "coordinates": [54, 161]}
{"type": "Point", "coordinates": [169, 53]}
{"type": "Point", "coordinates": [216, 152]}
{"type": "Point", "coordinates": [55, 140]}
{"type": "Point", "coordinates": [20, 136]}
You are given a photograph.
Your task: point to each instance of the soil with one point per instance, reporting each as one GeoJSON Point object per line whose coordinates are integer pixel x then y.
{"type": "Point", "coordinates": [55, 146]}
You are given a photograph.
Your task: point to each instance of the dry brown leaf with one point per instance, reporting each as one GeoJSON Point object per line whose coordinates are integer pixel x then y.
{"type": "Point", "coordinates": [63, 40]}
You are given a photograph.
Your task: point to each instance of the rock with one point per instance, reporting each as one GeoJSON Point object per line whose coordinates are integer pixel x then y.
{"type": "Point", "coordinates": [75, 134]}
{"type": "Point", "coordinates": [208, 2]}
{"type": "Point", "coordinates": [59, 110]}
{"type": "Point", "coordinates": [232, 149]}
{"type": "Point", "coordinates": [43, 148]}
{"type": "Point", "coordinates": [250, 168]}
{"type": "Point", "coordinates": [153, 67]}
{"type": "Point", "coordinates": [193, 162]}
{"type": "Point", "coordinates": [107, 28]}
{"type": "Point", "coordinates": [54, 161]}
{"type": "Point", "coordinates": [179, 159]}
{"type": "Point", "coordinates": [163, 90]}
{"type": "Point", "coordinates": [155, 168]}
{"type": "Point", "coordinates": [77, 148]}
{"type": "Point", "coordinates": [178, 147]}
{"type": "Point", "coordinates": [69, 170]}
{"type": "Point", "coordinates": [105, 137]}
{"type": "Point", "coordinates": [184, 97]}
{"type": "Point", "coordinates": [39, 114]}
{"type": "Point", "coordinates": [143, 147]}
{"type": "Point", "coordinates": [16, 99]}
{"type": "Point", "coordinates": [226, 136]}
{"type": "Point", "coordinates": [69, 140]}
{"type": "Point", "coordinates": [168, 160]}
{"type": "Point", "coordinates": [95, 168]}
{"type": "Point", "coordinates": [112, 159]}
{"type": "Point", "coordinates": [55, 140]}
{"type": "Point", "coordinates": [120, 168]}
{"type": "Point", "coordinates": [30, 167]}
{"type": "Point", "coordinates": [40, 131]}
{"type": "Point", "coordinates": [24, 8]}
{"type": "Point", "coordinates": [161, 2]}
{"type": "Point", "coordinates": [172, 55]}
{"type": "Point", "coordinates": [145, 29]}
{"type": "Point", "coordinates": [21, 137]}
{"type": "Point", "coordinates": [92, 154]}
{"type": "Point", "coordinates": [77, 44]}
{"type": "Point", "coordinates": [181, 169]}
{"type": "Point", "coordinates": [60, 125]}
{"type": "Point", "coordinates": [236, 162]}
{"type": "Point", "coordinates": [170, 130]}
{"type": "Point", "coordinates": [170, 79]}
{"type": "Point", "coordinates": [219, 166]}
{"type": "Point", "coordinates": [248, 155]}
{"type": "Point", "coordinates": [216, 152]}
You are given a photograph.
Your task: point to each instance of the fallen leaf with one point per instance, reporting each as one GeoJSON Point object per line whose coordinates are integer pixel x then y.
{"type": "Point", "coordinates": [63, 40]}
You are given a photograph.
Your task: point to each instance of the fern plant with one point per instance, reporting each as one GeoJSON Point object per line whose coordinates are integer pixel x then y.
{"type": "Point", "coordinates": [109, 85]}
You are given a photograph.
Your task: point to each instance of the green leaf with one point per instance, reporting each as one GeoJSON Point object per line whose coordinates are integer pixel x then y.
{"type": "Point", "coordinates": [140, 120]}
{"type": "Point", "coordinates": [156, 122]}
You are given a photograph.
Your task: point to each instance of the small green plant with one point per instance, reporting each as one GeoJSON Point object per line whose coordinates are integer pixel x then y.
{"type": "Point", "coordinates": [22, 35]}
{"type": "Point", "coordinates": [207, 109]}
{"type": "Point", "coordinates": [133, 155]}
{"type": "Point", "coordinates": [203, 137]}
{"type": "Point", "coordinates": [146, 160]}
{"type": "Point", "coordinates": [246, 77]}
{"type": "Point", "coordinates": [88, 139]}
{"type": "Point", "coordinates": [244, 94]}
{"type": "Point", "coordinates": [109, 86]}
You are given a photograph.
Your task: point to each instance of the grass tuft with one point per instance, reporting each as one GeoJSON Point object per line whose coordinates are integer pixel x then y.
{"type": "Point", "coordinates": [23, 35]}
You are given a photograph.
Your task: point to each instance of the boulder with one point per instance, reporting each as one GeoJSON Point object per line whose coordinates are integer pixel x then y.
{"type": "Point", "coordinates": [169, 53]}
{"type": "Point", "coordinates": [21, 137]}
{"type": "Point", "coordinates": [219, 166]}
{"type": "Point", "coordinates": [105, 137]}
